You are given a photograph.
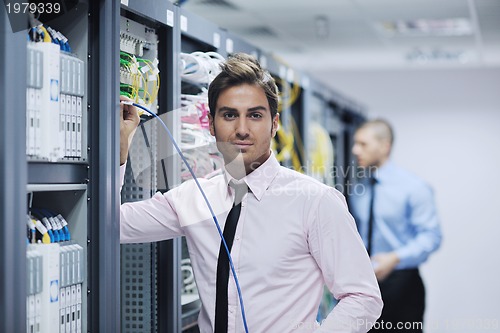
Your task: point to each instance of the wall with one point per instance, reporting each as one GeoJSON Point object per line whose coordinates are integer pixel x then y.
{"type": "Point", "coordinates": [447, 126]}
{"type": "Point", "coordinates": [457, 154]}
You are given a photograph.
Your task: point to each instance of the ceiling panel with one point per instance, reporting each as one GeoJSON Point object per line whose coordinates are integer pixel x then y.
{"type": "Point", "coordinates": [355, 31]}
{"type": "Point", "coordinates": [432, 41]}
{"type": "Point", "coordinates": [359, 60]}
{"type": "Point", "coordinates": [354, 40]}
{"type": "Point", "coordinates": [292, 4]}
{"type": "Point", "coordinates": [489, 19]}
{"type": "Point", "coordinates": [413, 9]}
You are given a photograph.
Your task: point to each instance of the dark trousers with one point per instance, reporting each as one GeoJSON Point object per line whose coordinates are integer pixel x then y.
{"type": "Point", "coordinates": [403, 294]}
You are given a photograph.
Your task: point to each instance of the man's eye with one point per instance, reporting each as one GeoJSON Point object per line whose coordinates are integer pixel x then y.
{"type": "Point", "coordinates": [256, 115]}
{"type": "Point", "coordinates": [229, 115]}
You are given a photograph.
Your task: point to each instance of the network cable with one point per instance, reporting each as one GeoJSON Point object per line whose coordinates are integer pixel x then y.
{"type": "Point", "coordinates": [32, 230]}
{"type": "Point", "coordinates": [62, 225]}
{"type": "Point", "coordinates": [139, 78]}
{"type": "Point", "coordinates": [44, 234]}
{"type": "Point", "coordinates": [53, 234]}
{"type": "Point", "coordinates": [206, 201]}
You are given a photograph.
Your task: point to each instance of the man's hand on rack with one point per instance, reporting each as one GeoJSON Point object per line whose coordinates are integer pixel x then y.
{"type": "Point", "coordinates": [129, 119]}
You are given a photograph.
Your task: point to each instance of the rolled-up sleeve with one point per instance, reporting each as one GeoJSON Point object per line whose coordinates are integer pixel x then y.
{"type": "Point", "coordinates": [347, 272]}
{"type": "Point", "coordinates": [424, 222]}
{"type": "Point", "coordinates": [149, 220]}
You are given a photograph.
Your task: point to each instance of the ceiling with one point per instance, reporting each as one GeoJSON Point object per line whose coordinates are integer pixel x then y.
{"type": "Point", "coordinates": [328, 38]}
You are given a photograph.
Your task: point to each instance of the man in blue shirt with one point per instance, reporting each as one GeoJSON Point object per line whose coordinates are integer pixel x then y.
{"type": "Point", "coordinates": [397, 220]}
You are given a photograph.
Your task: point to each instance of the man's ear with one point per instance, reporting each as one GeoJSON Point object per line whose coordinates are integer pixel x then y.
{"type": "Point", "coordinates": [211, 124]}
{"type": "Point", "coordinates": [275, 125]}
{"type": "Point", "coordinates": [386, 147]}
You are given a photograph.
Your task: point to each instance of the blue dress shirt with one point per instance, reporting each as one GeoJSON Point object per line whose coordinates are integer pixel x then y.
{"type": "Point", "coordinates": [405, 216]}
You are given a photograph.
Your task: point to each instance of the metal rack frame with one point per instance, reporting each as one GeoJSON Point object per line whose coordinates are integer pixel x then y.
{"type": "Point", "coordinates": [13, 178]}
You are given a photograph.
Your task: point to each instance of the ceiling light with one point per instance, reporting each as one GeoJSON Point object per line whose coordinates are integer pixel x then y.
{"type": "Point", "coordinates": [322, 26]}
{"type": "Point", "coordinates": [424, 27]}
{"type": "Point", "coordinates": [439, 55]}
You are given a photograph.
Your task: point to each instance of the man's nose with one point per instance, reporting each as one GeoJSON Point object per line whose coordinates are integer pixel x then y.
{"type": "Point", "coordinates": [355, 150]}
{"type": "Point", "coordinates": [242, 127]}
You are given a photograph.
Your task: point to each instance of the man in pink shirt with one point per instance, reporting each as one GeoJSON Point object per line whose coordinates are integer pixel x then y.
{"type": "Point", "coordinates": [292, 234]}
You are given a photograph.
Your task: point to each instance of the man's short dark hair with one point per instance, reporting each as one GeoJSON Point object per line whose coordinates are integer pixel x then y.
{"type": "Point", "coordinates": [382, 129]}
{"type": "Point", "coordinates": [240, 69]}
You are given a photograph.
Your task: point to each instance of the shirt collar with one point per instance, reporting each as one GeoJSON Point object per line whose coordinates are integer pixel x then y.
{"type": "Point", "coordinates": [384, 172]}
{"type": "Point", "coordinates": [259, 180]}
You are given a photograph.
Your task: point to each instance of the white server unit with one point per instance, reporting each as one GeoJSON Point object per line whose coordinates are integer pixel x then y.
{"type": "Point", "coordinates": [50, 284]}
{"type": "Point", "coordinates": [50, 138]}
{"type": "Point", "coordinates": [34, 275]}
{"type": "Point", "coordinates": [72, 91]}
{"type": "Point", "coordinates": [33, 99]}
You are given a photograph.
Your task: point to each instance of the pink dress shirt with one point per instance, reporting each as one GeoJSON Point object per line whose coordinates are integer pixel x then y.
{"type": "Point", "coordinates": [294, 235]}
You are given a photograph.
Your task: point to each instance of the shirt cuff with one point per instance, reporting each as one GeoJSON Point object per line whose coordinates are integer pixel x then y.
{"type": "Point", "coordinates": [123, 167]}
{"type": "Point", "coordinates": [404, 254]}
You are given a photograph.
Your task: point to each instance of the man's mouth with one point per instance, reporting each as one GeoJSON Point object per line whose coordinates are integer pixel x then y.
{"type": "Point", "coordinates": [242, 145]}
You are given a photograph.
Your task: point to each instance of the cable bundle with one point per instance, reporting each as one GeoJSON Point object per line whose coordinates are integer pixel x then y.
{"type": "Point", "coordinates": [197, 144]}
{"type": "Point", "coordinates": [46, 227]}
{"type": "Point", "coordinates": [41, 33]}
{"type": "Point", "coordinates": [195, 109]}
{"type": "Point", "coordinates": [288, 142]}
{"type": "Point", "coordinates": [200, 67]}
{"type": "Point", "coordinates": [139, 78]}
{"type": "Point", "coordinates": [188, 283]}
{"type": "Point", "coordinates": [321, 154]}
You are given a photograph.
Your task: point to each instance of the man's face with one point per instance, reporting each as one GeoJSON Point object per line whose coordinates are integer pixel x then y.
{"type": "Point", "coordinates": [368, 149]}
{"type": "Point", "coordinates": [243, 124]}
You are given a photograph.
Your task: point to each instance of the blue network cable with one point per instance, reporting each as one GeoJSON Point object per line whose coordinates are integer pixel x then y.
{"type": "Point", "coordinates": [206, 201]}
{"type": "Point", "coordinates": [64, 231]}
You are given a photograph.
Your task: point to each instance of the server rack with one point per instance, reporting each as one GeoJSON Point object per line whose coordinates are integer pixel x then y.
{"type": "Point", "coordinates": [352, 116]}
{"type": "Point", "coordinates": [339, 116]}
{"type": "Point", "coordinates": [298, 118]}
{"type": "Point", "coordinates": [234, 44]}
{"type": "Point", "coordinates": [69, 185]}
{"type": "Point", "coordinates": [139, 40]}
{"type": "Point", "coordinates": [199, 34]}
{"type": "Point", "coordinates": [335, 128]}
{"type": "Point", "coordinates": [62, 186]}
{"type": "Point", "coordinates": [314, 118]}
{"type": "Point", "coordinates": [288, 140]}
{"type": "Point", "coordinates": [198, 37]}
{"type": "Point", "coordinates": [151, 272]}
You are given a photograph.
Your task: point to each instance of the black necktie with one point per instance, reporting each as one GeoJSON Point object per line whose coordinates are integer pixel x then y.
{"type": "Point", "coordinates": [223, 261]}
{"type": "Point", "coordinates": [371, 218]}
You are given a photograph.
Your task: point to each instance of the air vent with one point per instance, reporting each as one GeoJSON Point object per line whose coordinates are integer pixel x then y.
{"type": "Point", "coordinates": [219, 3]}
{"type": "Point", "coordinates": [259, 31]}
